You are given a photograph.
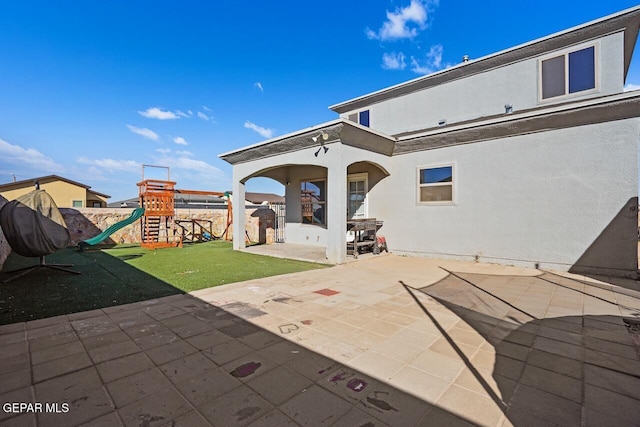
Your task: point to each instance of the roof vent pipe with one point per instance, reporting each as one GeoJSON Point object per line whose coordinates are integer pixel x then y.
{"type": "Point", "coordinates": [465, 58]}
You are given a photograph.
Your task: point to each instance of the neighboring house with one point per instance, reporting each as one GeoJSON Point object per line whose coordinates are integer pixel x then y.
{"type": "Point", "coordinates": [528, 156]}
{"type": "Point", "coordinates": [198, 201]}
{"type": "Point", "coordinates": [65, 192]}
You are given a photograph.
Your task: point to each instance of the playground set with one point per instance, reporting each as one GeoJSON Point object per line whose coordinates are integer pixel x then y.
{"type": "Point", "coordinates": [159, 227]}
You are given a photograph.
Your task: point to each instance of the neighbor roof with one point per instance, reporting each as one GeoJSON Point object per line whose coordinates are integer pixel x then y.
{"type": "Point", "coordinates": [627, 20]}
{"type": "Point", "coordinates": [31, 181]}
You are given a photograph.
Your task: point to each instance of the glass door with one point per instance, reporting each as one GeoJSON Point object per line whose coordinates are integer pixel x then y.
{"type": "Point", "coordinates": [357, 196]}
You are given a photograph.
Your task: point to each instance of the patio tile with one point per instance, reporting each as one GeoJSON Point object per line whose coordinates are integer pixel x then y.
{"type": "Point", "coordinates": [24, 420]}
{"type": "Point", "coordinates": [349, 384]}
{"type": "Point", "coordinates": [13, 328]}
{"type": "Point", "coordinates": [420, 339]}
{"type": "Point", "coordinates": [608, 402]}
{"type": "Point", "coordinates": [186, 325]}
{"type": "Point", "coordinates": [19, 349]}
{"type": "Point", "coordinates": [313, 366]}
{"type": "Point", "coordinates": [440, 417]}
{"type": "Point", "coordinates": [144, 329]}
{"type": "Point", "coordinates": [552, 382]}
{"type": "Point", "coordinates": [398, 350]}
{"type": "Point", "coordinates": [155, 410]}
{"type": "Point", "coordinates": [558, 347]}
{"type": "Point", "coordinates": [53, 340]}
{"type": "Point", "coordinates": [14, 380]}
{"type": "Point", "coordinates": [49, 321]}
{"type": "Point", "coordinates": [123, 366]}
{"type": "Point", "coordinates": [249, 366]}
{"type": "Point", "coordinates": [187, 367]}
{"type": "Point", "coordinates": [163, 311]}
{"type": "Point", "coordinates": [377, 365]}
{"type": "Point", "coordinates": [94, 326]}
{"type": "Point", "coordinates": [168, 352]}
{"type": "Point", "coordinates": [316, 407]}
{"type": "Point", "coordinates": [24, 394]}
{"type": "Point", "coordinates": [207, 339]}
{"type": "Point", "coordinates": [109, 420]}
{"type": "Point", "coordinates": [82, 390]}
{"type": "Point", "coordinates": [137, 386]}
{"type": "Point", "coordinates": [205, 388]}
{"type": "Point", "coordinates": [274, 418]}
{"type": "Point", "coordinates": [12, 338]}
{"type": "Point", "coordinates": [84, 315]}
{"type": "Point", "coordinates": [606, 346]}
{"type": "Point", "coordinates": [419, 384]}
{"type": "Point", "coordinates": [475, 407]}
{"type": "Point", "coordinates": [284, 351]}
{"type": "Point", "coordinates": [130, 319]}
{"type": "Point", "coordinates": [15, 363]}
{"type": "Point", "coordinates": [239, 407]}
{"type": "Point", "coordinates": [553, 362]}
{"type": "Point", "coordinates": [547, 406]}
{"type": "Point", "coordinates": [519, 418]}
{"type": "Point", "coordinates": [279, 385]}
{"type": "Point", "coordinates": [57, 352]}
{"type": "Point", "coordinates": [487, 383]}
{"type": "Point", "coordinates": [393, 407]}
{"type": "Point", "coordinates": [439, 365]}
{"type": "Point", "coordinates": [443, 346]}
{"type": "Point", "coordinates": [260, 339]}
{"type": "Point", "coordinates": [106, 339]}
{"type": "Point", "coordinates": [113, 351]}
{"type": "Point", "coordinates": [190, 419]}
{"type": "Point", "coordinates": [48, 330]}
{"type": "Point", "coordinates": [613, 362]}
{"type": "Point", "coordinates": [156, 339]}
{"type": "Point", "coordinates": [227, 351]}
{"type": "Point", "coordinates": [382, 327]}
{"type": "Point", "coordinates": [613, 381]}
{"type": "Point", "coordinates": [61, 366]}
{"type": "Point", "coordinates": [238, 330]}
{"type": "Point", "coordinates": [357, 417]}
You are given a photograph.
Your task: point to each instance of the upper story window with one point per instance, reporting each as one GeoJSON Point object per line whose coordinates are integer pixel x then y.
{"type": "Point", "coordinates": [313, 199]}
{"type": "Point", "coordinates": [435, 184]}
{"type": "Point", "coordinates": [362, 118]}
{"type": "Point", "coordinates": [77, 203]}
{"type": "Point", "coordinates": [568, 73]}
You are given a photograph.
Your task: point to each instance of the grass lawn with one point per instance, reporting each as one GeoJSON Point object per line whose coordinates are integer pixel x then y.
{"type": "Point", "coordinates": [126, 274]}
{"type": "Point", "coordinates": [204, 265]}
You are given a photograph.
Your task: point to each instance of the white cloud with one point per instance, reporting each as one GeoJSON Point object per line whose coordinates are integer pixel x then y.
{"type": "Point", "coordinates": [259, 86]}
{"type": "Point", "coordinates": [184, 153]}
{"type": "Point", "coordinates": [205, 108]}
{"type": "Point", "coordinates": [431, 63]}
{"type": "Point", "coordinates": [629, 87]}
{"type": "Point", "coordinates": [156, 113]}
{"type": "Point", "coordinates": [180, 140]}
{"type": "Point", "coordinates": [393, 61]}
{"type": "Point", "coordinates": [190, 112]}
{"type": "Point", "coordinates": [264, 132]}
{"type": "Point", "coordinates": [403, 23]}
{"type": "Point", "coordinates": [147, 133]}
{"type": "Point", "coordinates": [29, 157]}
{"type": "Point", "coordinates": [203, 116]}
{"type": "Point", "coordinates": [111, 165]}
{"type": "Point", "coordinates": [198, 170]}
{"type": "Point", "coordinates": [182, 113]}
{"type": "Point", "coordinates": [163, 150]}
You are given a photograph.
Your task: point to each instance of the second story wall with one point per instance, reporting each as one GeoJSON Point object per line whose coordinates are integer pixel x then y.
{"type": "Point", "coordinates": [486, 93]}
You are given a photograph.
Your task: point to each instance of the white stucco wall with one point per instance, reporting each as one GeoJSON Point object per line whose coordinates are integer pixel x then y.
{"type": "Point", "coordinates": [547, 198]}
{"type": "Point", "coordinates": [487, 93]}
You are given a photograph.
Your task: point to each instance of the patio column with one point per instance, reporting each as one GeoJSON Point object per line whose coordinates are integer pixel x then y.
{"type": "Point", "coordinates": [336, 214]}
{"type": "Point", "coordinates": [239, 225]}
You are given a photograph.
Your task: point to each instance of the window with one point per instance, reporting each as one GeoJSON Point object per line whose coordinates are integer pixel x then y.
{"type": "Point", "coordinates": [77, 203]}
{"type": "Point", "coordinates": [313, 199]}
{"type": "Point", "coordinates": [435, 185]}
{"type": "Point", "coordinates": [96, 204]}
{"type": "Point", "coordinates": [362, 117]}
{"type": "Point", "coordinates": [357, 196]}
{"type": "Point", "coordinates": [568, 73]}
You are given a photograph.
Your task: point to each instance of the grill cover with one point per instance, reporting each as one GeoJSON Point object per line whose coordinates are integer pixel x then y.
{"type": "Point", "coordinates": [33, 225]}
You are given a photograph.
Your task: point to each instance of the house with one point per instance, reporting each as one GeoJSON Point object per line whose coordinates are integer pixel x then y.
{"type": "Point", "coordinates": [200, 201]}
{"type": "Point", "coordinates": [65, 192]}
{"type": "Point", "coordinates": [528, 156]}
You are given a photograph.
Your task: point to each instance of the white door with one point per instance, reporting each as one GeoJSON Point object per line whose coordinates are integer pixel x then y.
{"type": "Point", "coordinates": [357, 196]}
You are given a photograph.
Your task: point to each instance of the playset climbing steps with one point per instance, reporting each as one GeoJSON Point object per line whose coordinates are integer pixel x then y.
{"type": "Point", "coordinates": [158, 224]}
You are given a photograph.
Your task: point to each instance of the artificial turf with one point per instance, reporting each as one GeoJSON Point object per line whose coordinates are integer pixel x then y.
{"type": "Point", "coordinates": [126, 274]}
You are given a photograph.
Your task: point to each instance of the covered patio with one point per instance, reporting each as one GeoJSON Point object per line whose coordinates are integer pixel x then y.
{"type": "Point", "coordinates": [331, 172]}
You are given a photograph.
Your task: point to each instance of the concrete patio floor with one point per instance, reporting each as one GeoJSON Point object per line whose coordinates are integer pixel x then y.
{"type": "Point", "coordinates": [384, 341]}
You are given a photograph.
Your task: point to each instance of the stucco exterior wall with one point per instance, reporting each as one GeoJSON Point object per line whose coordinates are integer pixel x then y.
{"type": "Point", "coordinates": [63, 193]}
{"type": "Point", "coordinates": [563, 199]}
{"type": "Point", "coordinates": [486, 93]}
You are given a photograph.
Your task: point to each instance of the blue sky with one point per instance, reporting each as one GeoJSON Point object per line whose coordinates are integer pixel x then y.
{"type": "Point", "coordinates": [92, 90]}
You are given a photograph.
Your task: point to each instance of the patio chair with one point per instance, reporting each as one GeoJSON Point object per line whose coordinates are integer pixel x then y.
{"type": "Point", "coordinates": [34, 227]}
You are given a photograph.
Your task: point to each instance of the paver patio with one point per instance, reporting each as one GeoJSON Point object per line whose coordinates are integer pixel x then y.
{"type": "Point", "coordinates": [384, 341]}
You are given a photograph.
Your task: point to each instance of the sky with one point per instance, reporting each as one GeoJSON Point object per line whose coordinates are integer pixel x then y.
{"type": "Point", "coordinates": [91, 91]}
